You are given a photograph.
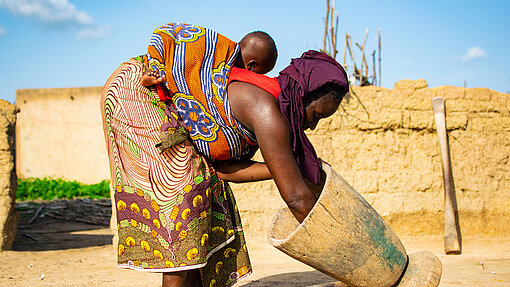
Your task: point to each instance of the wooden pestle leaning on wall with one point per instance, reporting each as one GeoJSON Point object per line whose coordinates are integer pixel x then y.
{"type": "Point", "coordinates": [452, 236]}
{"type": "Point", "coordinates": [8, 180]}
{"type": "Point", "coordinates": [345, 238]}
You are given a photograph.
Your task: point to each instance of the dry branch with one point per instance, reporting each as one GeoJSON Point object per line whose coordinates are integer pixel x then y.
{"type": "Point", "coordinates": [36, 214]}
{"type": "Point", "coordinates": [326, 20]}
{"type": "Point", "coordinates": [379, 33]}
{"type": "Point", "coordinates": [374, 79]}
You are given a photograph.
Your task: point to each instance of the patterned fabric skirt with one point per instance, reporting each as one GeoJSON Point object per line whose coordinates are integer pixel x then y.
{"type": "Point", "coordinates": [173, 213]}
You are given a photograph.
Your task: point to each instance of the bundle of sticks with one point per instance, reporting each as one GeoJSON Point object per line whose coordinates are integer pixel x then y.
{"type": "Point", "coordinates": [90, 211]}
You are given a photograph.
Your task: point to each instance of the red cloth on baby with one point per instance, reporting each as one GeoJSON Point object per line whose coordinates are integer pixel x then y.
{"type": "Point", "coordinates": [264, 82]}
{"type": "Point", "coordinates": [163, 93]}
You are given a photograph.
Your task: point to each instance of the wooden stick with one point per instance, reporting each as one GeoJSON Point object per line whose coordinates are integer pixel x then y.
{"type": "Point", "coordinates": [348, 40]}
{"type": "Point", "coordinates": [360, 72]}
{"type": "Point", "coordinates": [352, 92]}
{"type": "Point", "coordinates": [36, 214]}
{"type": "Point", "coordinates": [374, 80]}
{"type": "Point", "coordinates": [345, 51]}
{"type": "Point", "coordinates": [332, 38]}
{"type": "Point", "coordinates": [325, 27]}
{"type": "Point", "coordinates": [31, 237]}
{"type": "Point", "coordinates": [363, 74]}
{"type": "Point", "coordinates": [334, 30]}
{"type": "Point", "coordinates": [363, 59]}
{"type": "Point", "coordinates": [379, 32]}
{"type": "Point", "coordinates": [452, 241]}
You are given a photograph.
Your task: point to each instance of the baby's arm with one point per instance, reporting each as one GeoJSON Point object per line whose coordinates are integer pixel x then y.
{"type": "Point", "coordinates": [150, 78]}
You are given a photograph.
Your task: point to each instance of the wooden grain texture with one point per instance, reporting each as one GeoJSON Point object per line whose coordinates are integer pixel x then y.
{"type": "Point", "coordinates": [452, 242]}
{"type": "Point", "coordinates": [343, 237]}
{"type": "Point", "coordinates": [423, 270]}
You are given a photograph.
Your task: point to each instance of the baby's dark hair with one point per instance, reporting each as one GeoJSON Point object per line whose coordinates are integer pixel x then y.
{"type": "Point", "coordinates": [266, 39]}
{"type": "Point", "coordinates": [336, 91]}
{"type": "Point", "coordinates": [268, 43]}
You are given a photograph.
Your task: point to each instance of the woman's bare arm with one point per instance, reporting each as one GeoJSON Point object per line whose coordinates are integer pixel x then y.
{"type": "Point", "coordinates": [259, 111]}
{"type": "Point", "coordinates": [242, 170]}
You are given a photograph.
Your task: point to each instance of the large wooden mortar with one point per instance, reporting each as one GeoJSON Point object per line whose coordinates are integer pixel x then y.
{"type": "Point", "coordinates": [343, 237]}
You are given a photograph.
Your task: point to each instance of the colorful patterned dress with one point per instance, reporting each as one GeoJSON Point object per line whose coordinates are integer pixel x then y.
{"type": "Point", "coordinates": [173, 212]}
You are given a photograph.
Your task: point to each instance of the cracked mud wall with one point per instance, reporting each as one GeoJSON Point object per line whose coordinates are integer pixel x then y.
{"type": "Point", "coordinates": [8, 184]}
{"type": "Point", "coordinates": [387, 149]}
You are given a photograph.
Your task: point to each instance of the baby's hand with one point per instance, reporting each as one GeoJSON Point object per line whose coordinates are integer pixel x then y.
{"type": "Point", "coordinates": [150, 78]}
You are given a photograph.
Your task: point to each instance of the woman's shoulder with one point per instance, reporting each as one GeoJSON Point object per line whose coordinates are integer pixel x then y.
{"type": "Point", "coordinates": [248, 102]}
{"type": "Point", "coordinates": [249, 93]}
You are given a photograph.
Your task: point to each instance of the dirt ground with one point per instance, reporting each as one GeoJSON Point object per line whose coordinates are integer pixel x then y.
{"type": "Point", "coordinates": [54, 252]}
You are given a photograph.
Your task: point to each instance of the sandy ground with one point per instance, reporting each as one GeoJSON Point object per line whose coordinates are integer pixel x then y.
{"type": "Point", "coordinates": [63, 253]}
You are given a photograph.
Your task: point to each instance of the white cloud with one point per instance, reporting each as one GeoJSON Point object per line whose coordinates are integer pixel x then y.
{"type": "Point", "coordinates": [91, 33]}
{"type": "Point", "coordinates": [56, 14]}
{"type": "Point", "coordinates": [48, 11]}
{"type": "Point", "coordinates": [2, 31]}
{"type": "Point", "coordinates": [474, 53]}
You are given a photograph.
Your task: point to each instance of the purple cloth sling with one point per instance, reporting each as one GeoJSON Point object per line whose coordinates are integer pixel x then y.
{"type": "Point", "coordinates": [303, 76]}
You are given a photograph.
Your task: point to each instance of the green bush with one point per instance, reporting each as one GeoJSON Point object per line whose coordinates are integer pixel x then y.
{"type": "Point", "coordinates": [51, 188]}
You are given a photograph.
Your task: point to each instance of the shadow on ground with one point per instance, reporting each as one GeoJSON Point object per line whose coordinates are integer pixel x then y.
{"type": "Point", "coordinates": [295, 279]}
{"type": "Point", "coordinates": [37, 232]}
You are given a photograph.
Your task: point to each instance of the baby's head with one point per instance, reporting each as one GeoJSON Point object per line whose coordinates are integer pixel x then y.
{"type": "Point", "coordinates": [258, 52]}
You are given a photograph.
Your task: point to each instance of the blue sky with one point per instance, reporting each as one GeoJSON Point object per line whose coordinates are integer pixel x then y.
{"type": "Point", "coordinates": [79, 43]}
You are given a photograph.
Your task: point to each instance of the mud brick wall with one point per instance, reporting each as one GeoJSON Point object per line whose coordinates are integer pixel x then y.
{"type": "Point", "coordinates": [60, 134]}
{"type": "Point", "coordinates": [386, 146]}
{"type": "Point", "coordinates": [8, 184]}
